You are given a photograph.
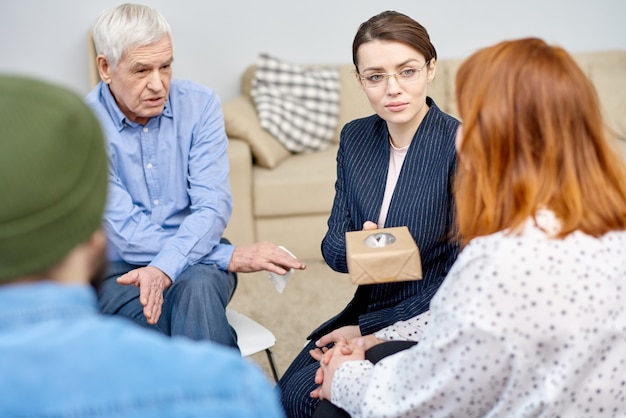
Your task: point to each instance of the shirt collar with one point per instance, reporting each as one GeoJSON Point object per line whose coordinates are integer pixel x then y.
{"type": "Point", "coordinates": [35, 302]}
{"type": "Point", "coordinates": [119, 119]}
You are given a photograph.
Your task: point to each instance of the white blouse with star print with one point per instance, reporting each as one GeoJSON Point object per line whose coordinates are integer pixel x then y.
{"type": "Point", "coordinates": [523, 326]}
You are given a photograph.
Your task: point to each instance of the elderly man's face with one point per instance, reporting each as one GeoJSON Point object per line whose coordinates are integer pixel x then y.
{"type": "Point", "coordinates": [141, 81]}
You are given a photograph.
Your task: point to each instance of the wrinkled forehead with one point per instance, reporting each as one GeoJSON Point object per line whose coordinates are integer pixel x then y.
{"type": "Point", "coordinates": [157, 53]}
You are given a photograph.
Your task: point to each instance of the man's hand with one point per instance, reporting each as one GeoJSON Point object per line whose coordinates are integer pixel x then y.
{"type": "Point", "coordinates": [263, 256]}
{"type": "Point", "coordinates": [151, 283]}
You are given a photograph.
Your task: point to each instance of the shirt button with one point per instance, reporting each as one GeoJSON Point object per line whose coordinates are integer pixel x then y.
{"type": "Point", "coordinates": [149, 166]}
{"type": "Point", "coordinates": [156, 202]}
{"type": "Point", "coordinates": [145, 129]}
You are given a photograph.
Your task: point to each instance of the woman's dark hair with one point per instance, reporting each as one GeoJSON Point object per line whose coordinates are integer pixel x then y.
{"type": "Point", "coordinates": [397, 27]}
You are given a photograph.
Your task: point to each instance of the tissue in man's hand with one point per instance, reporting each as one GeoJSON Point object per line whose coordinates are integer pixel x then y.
{"type": "Point", "coordinates": [280, 281]}
{"type": "Point", "coordinates": [382, 255]}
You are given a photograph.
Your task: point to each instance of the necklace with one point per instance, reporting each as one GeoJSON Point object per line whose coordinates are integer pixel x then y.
{"type": "Point", "coordinates": [394, 145]}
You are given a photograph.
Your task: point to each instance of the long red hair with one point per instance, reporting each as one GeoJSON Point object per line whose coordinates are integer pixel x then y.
{"type": "Point", "coordinates": [533, 137]}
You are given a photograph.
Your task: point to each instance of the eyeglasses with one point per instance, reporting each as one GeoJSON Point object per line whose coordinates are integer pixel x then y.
{"type": "Point", "coordinates": [407, 75]}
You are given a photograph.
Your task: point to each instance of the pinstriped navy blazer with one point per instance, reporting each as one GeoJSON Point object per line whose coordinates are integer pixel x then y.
{"type": "Point", "coordinates": [422, 201]}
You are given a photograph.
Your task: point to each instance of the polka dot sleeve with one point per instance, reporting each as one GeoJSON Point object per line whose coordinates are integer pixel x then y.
{"type": "Point", "coordinates": [350, 385]}
{"type": "Point", "coordinates": [524, 325]}
{"type": "Point", "coordinates": [457, 367]}
{"type": "Point", "coordinates": [410, 330]}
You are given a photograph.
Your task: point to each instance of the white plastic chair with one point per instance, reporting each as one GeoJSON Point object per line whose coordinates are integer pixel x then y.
{"type": "Point", "coordinates": [252, 337]}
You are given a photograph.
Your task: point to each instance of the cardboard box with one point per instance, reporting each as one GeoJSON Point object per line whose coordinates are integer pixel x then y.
{"type": "Point", "coordinates": [382, 255]}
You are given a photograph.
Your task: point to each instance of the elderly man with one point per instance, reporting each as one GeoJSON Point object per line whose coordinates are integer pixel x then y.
{"type": "Point", "coordinates": [169, 195]}
{"type": "Point", "coordinates": [58, 355]}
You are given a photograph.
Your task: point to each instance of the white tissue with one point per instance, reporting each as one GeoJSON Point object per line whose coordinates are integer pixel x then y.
{"type": "Point", "coordinates": [280, 281]}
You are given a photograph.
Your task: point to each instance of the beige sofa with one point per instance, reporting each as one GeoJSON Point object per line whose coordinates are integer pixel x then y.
{"type": "Point", "coordinates": [286, 198]}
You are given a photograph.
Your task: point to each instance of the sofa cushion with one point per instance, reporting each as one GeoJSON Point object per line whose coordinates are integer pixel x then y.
{"type": "Point", "coordinates": [441, 89]}
{"type": "Point", "coordinates": [302, 184]}
{"type": "Point", "coordinates": [353, 101]}
{"type": "Point", "coordinates": [241, 121]}
{"type": "Point", "coordinates": [606, 70]}
{"type": "Point", "coordinates": [298, 105]}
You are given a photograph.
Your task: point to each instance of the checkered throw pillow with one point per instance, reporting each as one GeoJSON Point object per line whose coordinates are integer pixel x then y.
{"type": "Point", "coordinates": [297, 105]}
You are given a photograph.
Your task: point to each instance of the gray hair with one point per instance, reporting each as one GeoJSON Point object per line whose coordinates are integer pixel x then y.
{"type": "Point", "coordinates": [126, 27]}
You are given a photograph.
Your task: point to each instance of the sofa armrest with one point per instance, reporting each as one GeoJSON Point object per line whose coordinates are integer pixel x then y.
{"type": "Point", "coordinates": [240, 229]}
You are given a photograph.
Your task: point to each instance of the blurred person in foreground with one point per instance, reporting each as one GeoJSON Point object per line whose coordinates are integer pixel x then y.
{"type": "Point", "coordinates": [531, 320]}
{"type": "Point", "coordinates": [169, 194]}
{"type": "Point", "coordinates": [58, 355]}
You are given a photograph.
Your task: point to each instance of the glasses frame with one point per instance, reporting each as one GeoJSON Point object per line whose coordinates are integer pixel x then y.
{"type": "Point", "coordinates": [386, 76]}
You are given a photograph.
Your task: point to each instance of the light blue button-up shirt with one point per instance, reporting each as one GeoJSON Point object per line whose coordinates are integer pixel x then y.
{"type": "Point", "coordinates": [60, 358]}
{"type": "Point", "coordinates": [169, 193]}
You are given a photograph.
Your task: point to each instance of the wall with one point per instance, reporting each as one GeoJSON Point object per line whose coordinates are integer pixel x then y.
{"type": "Point", "coordinates": [215, 41]}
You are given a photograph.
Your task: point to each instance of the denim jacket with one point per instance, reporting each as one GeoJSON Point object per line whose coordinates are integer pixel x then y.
{"type": "Point", "coordinates": [60, 358]}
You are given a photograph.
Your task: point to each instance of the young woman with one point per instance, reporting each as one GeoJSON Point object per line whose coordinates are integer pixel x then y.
{"type": "Point", "coordinates": [394, 168]}
{"type": "Point", "coordinates": [531, 320]}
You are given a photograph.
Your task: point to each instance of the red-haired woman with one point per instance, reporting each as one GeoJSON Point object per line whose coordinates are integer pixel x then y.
{"type": "Point", "coordinates": [531, 320]}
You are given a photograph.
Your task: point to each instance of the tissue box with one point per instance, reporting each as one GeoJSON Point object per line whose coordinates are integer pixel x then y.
{"type": "Point", "coordinates": [382, 255]}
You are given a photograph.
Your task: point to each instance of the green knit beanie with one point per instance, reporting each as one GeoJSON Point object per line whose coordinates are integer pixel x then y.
{"type": "Point", "coordinates": [53, 175]}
